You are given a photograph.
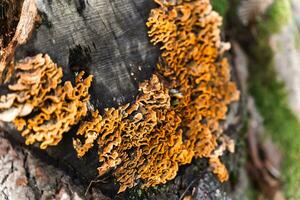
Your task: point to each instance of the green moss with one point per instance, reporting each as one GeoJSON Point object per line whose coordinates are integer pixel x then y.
{"type": "Point", "coordinates": [278, 14]}
{"type": "Point", "coordinates": [279, 122]}
{"type": "Point", "coordinates": [221, 6]}
{"type": "Point", "coordinates": [271, 98]}
{"type": "Point", "coordinates": [252, 193]}
{"type": "Point", "coordinates": [297, 40]}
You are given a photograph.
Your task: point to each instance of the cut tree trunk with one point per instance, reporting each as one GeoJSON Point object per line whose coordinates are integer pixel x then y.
{"type": "Point", "coordinates": [108, 39]}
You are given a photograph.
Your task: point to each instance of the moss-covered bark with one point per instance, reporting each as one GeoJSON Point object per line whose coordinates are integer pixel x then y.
{"type": "Point", "coordinates": [270, 93]}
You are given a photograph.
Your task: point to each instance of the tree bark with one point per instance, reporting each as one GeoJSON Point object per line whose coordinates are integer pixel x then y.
{"type": "Point", "coordinates": [23, 176]}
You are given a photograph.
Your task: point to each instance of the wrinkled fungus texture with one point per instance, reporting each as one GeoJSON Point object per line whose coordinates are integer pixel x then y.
{"type": "Point", "coordinates": [176, 117]}
{"type": "Point", "coordinates": [170, 124]}
{"type": "Point", "coordinates": [142, 140]}
{"type": "Point", "coordinates": [36, 89]}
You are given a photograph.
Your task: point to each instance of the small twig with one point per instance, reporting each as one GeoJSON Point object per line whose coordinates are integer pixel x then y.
{"type": "Point", "coordinates": [187, 189]}
{"type": "Point", "coordinates": [104, 180]}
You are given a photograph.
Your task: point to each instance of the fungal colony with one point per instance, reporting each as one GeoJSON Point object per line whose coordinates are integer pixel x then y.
{"type": "Point", "coordinates": [176, 117]}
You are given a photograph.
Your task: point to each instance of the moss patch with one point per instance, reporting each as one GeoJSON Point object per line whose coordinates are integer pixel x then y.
{"type": "Point", "coordinates": [271, 98]}
{"type": "Point", "coordinates": [221, 6]}
{"type": "Point", "coordinates": [297, 40]}
{"type": "Point", "coordinates": [278, 14]}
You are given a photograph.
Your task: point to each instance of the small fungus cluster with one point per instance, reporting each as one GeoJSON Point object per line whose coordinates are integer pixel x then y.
{"type": "Point", "coordinates": [142, 140]}
{"type": "Point", "coordinates": [176, 116]}
{"type": "Point", "coordinates": [192, 61]}
{"type": "Point", "coordinates": [36, 90]}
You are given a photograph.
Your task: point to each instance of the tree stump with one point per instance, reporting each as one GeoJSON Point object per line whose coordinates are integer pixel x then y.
{"type": "Point", "coordinates": [108, 39]}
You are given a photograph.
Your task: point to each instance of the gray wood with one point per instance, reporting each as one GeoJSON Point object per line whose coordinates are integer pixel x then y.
{"type": "Point", "coordinates": [22, 176]}
{"type": "Point", "coordinates": [107, 38]}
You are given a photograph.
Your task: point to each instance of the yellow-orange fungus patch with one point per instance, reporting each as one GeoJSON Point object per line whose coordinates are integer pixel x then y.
{"type": "Point", "coordinates": [176, 116]}
{"type": "Point", "coordinates": [188, 33]}
{"type": "Point", "coordinates": [38, 91]}
{"type": "Point", "coordinates": [142, 140]}
{"type": "Point", "coordinates": [170, 124]}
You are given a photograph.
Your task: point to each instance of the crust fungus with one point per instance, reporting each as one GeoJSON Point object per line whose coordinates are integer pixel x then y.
{"type": "Point", "coordinates": [192, 61]}
{"type": "Point", "coordinates": [169, 125]}
{"type": "Point", "coordinates": [142, 140]}
{"type": "Point", "coordinates": [33, 79]}
{"type": "Point", "coordinates": [35, 88]}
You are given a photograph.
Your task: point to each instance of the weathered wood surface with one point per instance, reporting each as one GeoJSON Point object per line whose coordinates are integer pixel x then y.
{"type": "Point", "coordinates": [23, 176]}
{"type": "Point", "coordinates": [107, 38]}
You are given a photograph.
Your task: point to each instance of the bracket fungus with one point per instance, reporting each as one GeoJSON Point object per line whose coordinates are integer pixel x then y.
{"type": "Point", "coordinates": [176, 116]}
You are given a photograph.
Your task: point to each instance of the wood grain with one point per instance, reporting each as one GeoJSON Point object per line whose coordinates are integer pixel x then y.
{"type": "Point", "coordinates": [106, 38]}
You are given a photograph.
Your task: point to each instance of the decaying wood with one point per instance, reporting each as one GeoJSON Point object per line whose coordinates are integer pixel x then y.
{"type": "Point", "coordinates": [22, 176]}
{"type": "Point", "coordinates": [106, 38]}
{"type": "Point", "coordinates": [23, 31]}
